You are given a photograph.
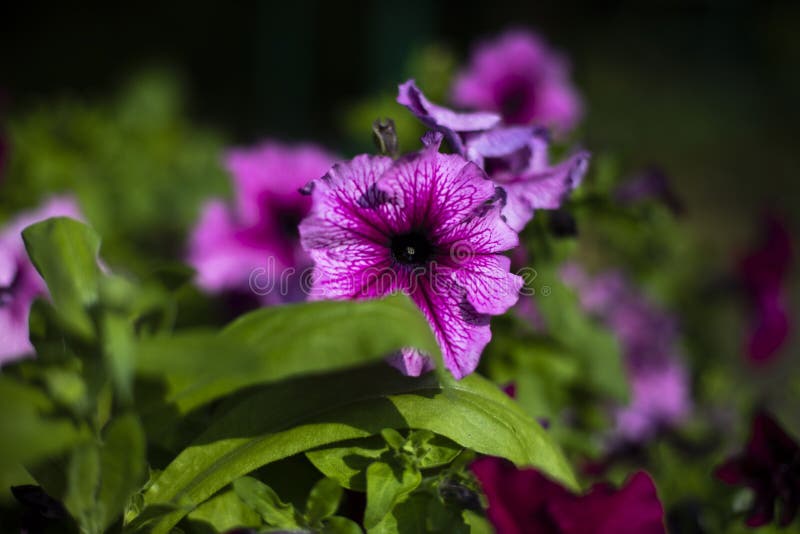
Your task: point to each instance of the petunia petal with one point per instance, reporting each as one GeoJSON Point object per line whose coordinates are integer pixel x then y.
{"type": "Point", "coordinates": [461, 331]}
{"type": "Point", "coordinates": [445, 120]}
{"type": "Point", "coordinates": [489, 285]}
{"type": "Point", "coordinates": [543, 190]}
{"type": "Point", "coordinates": [434, 190]}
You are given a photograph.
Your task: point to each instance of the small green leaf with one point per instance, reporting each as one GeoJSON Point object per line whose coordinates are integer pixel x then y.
{"type": "Point", "coordinates": [435, 450]}
{"type": "Point", "coordinates": [393, 438]}
{"type": "Point", "coordinates": [387, 485]}
{"type": "Point", "coordinates": [64, 251]}
{"type": "Point", "coordinates": [67, 388]}
{"type": "Point", "coordinates": [118, 352]}
{"type": "Point", "coordinates": [323, 500]}
{"type": "Point", "coordinates": [262, 499]}
{"type": "Point", "coordinates": [347, 462]}
{"type": "Point", "coordinates": [225, 512]}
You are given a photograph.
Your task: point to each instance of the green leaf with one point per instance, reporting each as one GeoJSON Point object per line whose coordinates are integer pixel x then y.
{"type": "Point", "coordinates": [274, 423]}
{"type": "Point", "coordinates": [262, 499]}
{"type": "Point", "coordinates": [340, 525]}
{"type": "Point", "coordinates": [323, 500]}
{"type": "Point", "coordinates": [83, 482]}
{"type": "Point", "coordinates": [423, 512]}
{"type": "Point", "coordinates": [387, 485]}
{"type": "Point", "coordinates": [225, 512]}
{"type": "Point", "coordinates": [433, 450]}
{"type": "Point", "coordinates": [122, 461]}
{"type": "Point", "coordinates": [393, 438]}
{"type": "Point", "coordinates": [279, 342]}
{"type": "Point", "coordinates": [118, 352]}
{"type": "Point", "coordinates": [64, 251]}
{"type": "Point", "coordinates": [347, 462]}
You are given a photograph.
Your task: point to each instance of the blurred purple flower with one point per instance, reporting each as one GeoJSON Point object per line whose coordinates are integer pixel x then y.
{"type": "Point", "coordinates": [523, 501]}
{"type": "Point", "coordinates": [763, 273]}
{"type": "Point", "coordinates": [648, 336]}
{"type": "Point", "coordinates": [514, 157]}
{"type": "Point", "coordinates": [20, 284]}
{"type": "Point", "coordinates": [428, 224]}
{"type": "Point", "coordinates": [519, 76]}
{"type": "Point", "coordinates": [770, 466]}
{"type": "Point", "coordinates": [651, 184]}
{"type": "Point", "coordinates": [256, 239]}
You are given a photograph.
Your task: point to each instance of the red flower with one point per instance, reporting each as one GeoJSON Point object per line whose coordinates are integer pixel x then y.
{"type": "Point", "coordinates": [770, 465]}
{"type": "Point", "coordinates": [524, 501]}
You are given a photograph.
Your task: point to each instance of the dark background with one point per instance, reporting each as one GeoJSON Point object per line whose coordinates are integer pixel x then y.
{"type": "Point", "coordinates": [707, 90]}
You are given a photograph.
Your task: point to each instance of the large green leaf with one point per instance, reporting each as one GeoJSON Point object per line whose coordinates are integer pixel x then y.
{"type": "Point", "coordinates": [279, 342]}
{"type": "Point", "coordinates": [64, 252]}
{"type": "Point", "coordinates": [275, 422]}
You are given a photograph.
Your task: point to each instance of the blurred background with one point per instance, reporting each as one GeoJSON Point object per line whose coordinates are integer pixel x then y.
{"type": "Point", "coordinates": [705, 89]}
{"type": "Point", "coordinates": [130, 107]}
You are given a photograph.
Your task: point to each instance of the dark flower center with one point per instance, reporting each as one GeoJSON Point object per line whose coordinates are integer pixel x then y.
{"type": "Point", "coordinates": [288, 220]}
{"type": "Point", "coordinates": [413, 248]}
{"type": "Point", "coordinates": [7, 292]}
{"type": "Point", "coordinates": [516, 100]}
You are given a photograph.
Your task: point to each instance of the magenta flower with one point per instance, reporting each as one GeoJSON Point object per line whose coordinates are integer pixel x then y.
{"type": "Point", "coordinates": [514, 157]}
{"type": "Point", "coordinates": [764, 272]}
{"type": "Point", "coordinates": [20, 284]}
{"type": "Point", "coordinates": [770, 466]}
{"type": "Point", "coordinates": [523, 501]}
{"type": "Point", "coordinates": [250, 245]}
{"type": "Point", "coordinates": [428, 224]}
{"type": "Point", "coordinates": [520, 77]}
{"type": "Point", "coordinates": [660, 395]}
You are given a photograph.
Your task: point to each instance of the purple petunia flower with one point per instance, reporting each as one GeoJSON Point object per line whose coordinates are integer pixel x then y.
{"type": "Point", "coordinates": [20, 284]}
{"type": "Point", "coordinates": [514, 157]}
{"type": "Point", "coordinates": [763, 273]}
{"type": "Point", "coordinates": [250, 245]}
{"type": "Point", "coordinates": [660, 393]}
{"type": "Point", "coordinates": [520, 77]}
{"type": "Point", "coordinates": [427, 224]}
{"type": "Point", "coordinates": [770, 466]}
{"type": "Point", "coordinates": [523, 501]}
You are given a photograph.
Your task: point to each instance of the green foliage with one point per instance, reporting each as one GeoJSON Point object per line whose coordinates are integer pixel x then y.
{"type": "Point", "coordinates": [255, 367]}
{"type": "Point", "coordinates": [346, 405]}
{"type": "Point", "coordinates": [139, 169]}
{"type": "Point", "coordinates": [323, 501]}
